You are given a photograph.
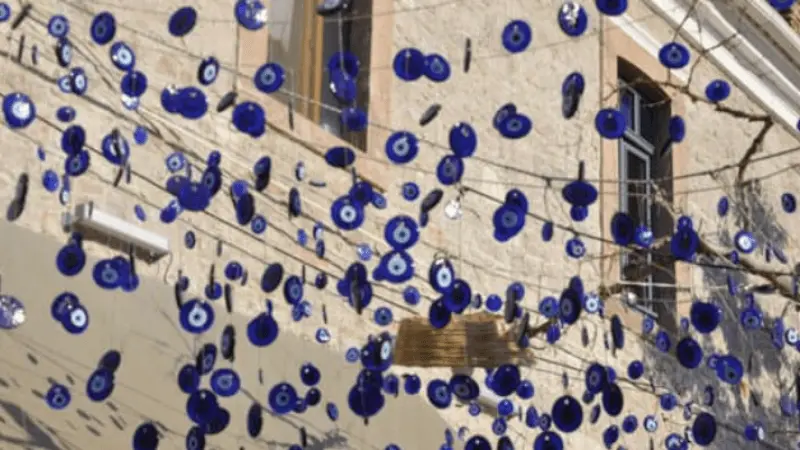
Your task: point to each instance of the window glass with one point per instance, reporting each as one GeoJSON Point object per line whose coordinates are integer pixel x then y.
{"type": "Point", "coordinates": [286, 23]}
{"type": "Point", "coordinates": [627, 107]}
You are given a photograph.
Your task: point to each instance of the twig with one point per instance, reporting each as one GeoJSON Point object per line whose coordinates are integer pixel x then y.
{"type": "Point", "coordinates": [755, 147]}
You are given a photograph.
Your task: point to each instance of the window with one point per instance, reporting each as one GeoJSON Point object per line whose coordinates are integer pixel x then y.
{"type": "Point", "coordinates": [645, 163]}
{"type": "Point", "coordinates": [303, 42]}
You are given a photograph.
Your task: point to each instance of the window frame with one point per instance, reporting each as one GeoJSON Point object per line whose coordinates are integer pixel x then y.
{"type": "Point", "coordinates": [633, 143]}
{"type": "Point", "coordinates": [309, 78]}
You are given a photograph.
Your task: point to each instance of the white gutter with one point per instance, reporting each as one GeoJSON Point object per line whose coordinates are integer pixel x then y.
{"type": "Point", "coordinates": [770, 93]}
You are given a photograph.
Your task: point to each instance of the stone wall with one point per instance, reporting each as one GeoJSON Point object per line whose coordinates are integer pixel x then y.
{"type": "Point", "coordinates": [531, 80]}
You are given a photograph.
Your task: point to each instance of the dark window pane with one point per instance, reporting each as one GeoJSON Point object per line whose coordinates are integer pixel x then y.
{"type": "Point", "coordinates": [649, 121]}
{"type": "Point", "coordinates": [636, 176]}
{"type": "Point", "coordinates": [627, 108]}
{"type": "Point", "coordinates": [286, 22]}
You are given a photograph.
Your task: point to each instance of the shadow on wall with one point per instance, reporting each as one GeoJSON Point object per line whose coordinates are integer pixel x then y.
{"type": "Point", "coordinates": [735, 408]}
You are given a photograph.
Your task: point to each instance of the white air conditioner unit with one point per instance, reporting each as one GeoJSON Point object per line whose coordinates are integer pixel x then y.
{"type": "Point", "coordinates": [88, 216]}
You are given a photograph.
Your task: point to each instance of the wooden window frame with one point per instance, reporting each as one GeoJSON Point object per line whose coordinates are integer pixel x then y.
{"type": "Point", "coordinates": [309, 80]}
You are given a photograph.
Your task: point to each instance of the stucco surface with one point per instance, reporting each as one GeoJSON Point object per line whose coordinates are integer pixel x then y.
{"type": "Point", "coordinates": [532, 80]}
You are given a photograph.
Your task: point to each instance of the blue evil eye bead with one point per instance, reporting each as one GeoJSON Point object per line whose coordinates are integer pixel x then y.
{"type": "Point", "coordinates": [674, 55]}
{"type": "Point", "coordinates": [249, 118]}
{"type": "Point", "coordinates": [754, 432]}
{"type": "Point", "coordinates": [402, 147]}
{"type": "Point", "coordinates": [569, 306]}
{"type": "Point", "coordinates": [717, 91]}
{"type": "Point", "coordinates": [234, 271]}
{"type": "Point", "coordinates": [106, 274]}
{"type": "Point", "coordinates": [133, 83]}
{"type": "Point", "coordinates": [188, 379]}
{"type": "Point", "coordinates": [332, 411]}
{"type": "Point", "coordinates": [58, 396]}
{"type": "Point", "coordinates": [676, 129]}
{"type": "Point", "coordinates": [255, 420]}
{"type": "Point", "coordinates": [438, 314]}
{"type": "Point", "coordinates": [751, 318]}
{"type": "Point", "coordinates": [196, 317]}
{"type": "Point", "coordinates": [383, 316]}
{"type": "Point", "coordinates": [792, 336]}
{"type": "Point", "coordinates": [139, 212]}
{"type": "Point", "coordinates": [663, 341]}
{"type": "Point", "coordinates": [704, 429]}
{"type": "Point", "coordinates": [547, 231]}
{"type": "Point", "coordinates": [579, 192]}
{"type": "Point", "coordinates": [401, 232]}
{"type": "Point", "coordinates": [354, 119]}
{"type": "Point", "coordinates": [78, 81]}
{"type": "Point", "coordinates": [122, 56]}
{"type": "Point", "coordinates": [572, 19]}
{"type": "Point", "coordinates": [567, 414]}
{"type": "Point", "coordinates": [612, 7]}
{"type": "Point", "coordinates": [251, 14]}
{"type": "Point", "coordinates": [684, 244]}
{"type": "Point", "coordinates": [340, 157]}
{"type": "Point", "coordinates": [461, 297]}
{"type": "Point", "coordinates": [411, 295]}
{"type": "Point", "coordinates": [352, 355]}
{"type": "Point", "coordinates": [206, 358]}
{"type": "Point", "coordinates": [525, 390]}
{"type": "Point", "coordinates": [66, 114]}
{"type": "Point", "coordinates": [195, 439]}
{"type": "Point", "coordinates": [610, 123]}
{"type": "Point", "coordinates": [689, 353]}
{"type": "Point", "coordinates": [729, 369]}
{"type": "Point", "coordinates": [202, 406]}
{"type": "Point", "coordinates": [364, 252]}
{"type": "Point", "coordinates": [463, 140]}
{"type": "Point", "coordinates": [499, 425]}
{"type": "Point", "coordinates": [50, 180]}
{"type": "Point", "coordinates": [612, 400]}
{"type": "Point", "coordinates": [517, 36]}
{"type": "Point", "coordinates": [668, 401]}
{"type": "Point", "coordinates": [502, 114]}
{"type": "Point", "coordinates": [342, 86]}
{"type": "Point", "coordinates": [781, 5]}
{"type": "Point", "coordinates": [100, 385]}
{"type": "Point", "coordinates": [722, 206]}
{"type": "Point", "coordinates": [140, 135]}
{"type": "Point", "coordinates": [596, 378]}
{"type": "Point", "coordinates": [189, 239]}
{"type": "Point", "coordinates": [361, 193]}
{"type": "Point", "coordinates": [650, 424]}
{"type": "Point", "coordinates": [705, 317]}
{"type": "Point", "coordinates": [64, 52]}
{"type": "Point", "coordinates": [225, 382]}
{"type": "Point", "coordinates": [378, 200]}
{"type": "Point", "coordinates": [192, 103]}
{"type": "Point", "coordinates": [169, 99]}
{"type": "Point", "coordinates": [58, 26]}
{"type": "Point", "coordinates": [508, 220]}
{"type": "Point", "coordinates": [269, 78]}
{"type": "Point", "coordinates": [745, 242]}
{"type": "Point", "coordinates": [346, 62]}
{"type": "Point", "coordinates": [623, 228]}
{"type": "Point", "coordinates": [531, 417]}
{"type": "Point", "coordinates": [310, 375]}
{"type": "Point", "coordinates": [571, 93]}
{"type": "Point", "coordinates": [71, 259]}
{"type": "Point", "coordinates": [436, 68]}
{"type": "Point", "coordinates": [630, 424]}
{"type": "Point", "coordinates": [410, 191]}
{"type": "Point", "coordinates": [346, 214]}
{"type": "Point", "coordinates": [441, 276]}
{"type": "Point", "coordinates": [5, 12]}
{"type": "Point", "coordinates": [272, 277]}
{"type": "Point", "coordinates": [409, 64]}
{"type": "Point", "coordinates": [194, 197]}
{"type": "Point", "coordinates": [182, 21]}
{"type": "Point", "coordinates": [262, 330]}
{"type": "Point", "coordinates": [548, 440]}
{"type": "Point", "coordinates": [635, 370]}
{"type": "Point", "coordinates": [293, 290]}
{"type": "Point", "coordinates": [549, 307]}
{"type": "Point", "coordinates": [516, 126]}
{"type": "Point", "coordinates": [282, 398]}
{"type": "Point", "coordinates": [103, 28]}
{"type": "Point", "coordinates": [494, 303]}
{"type": "Point", "coordinates": [575, 248]}
{"type": "Point", "coordinates": [18, 110]}
{"type": "Point", "coordinates": [644, 236]}
{"type": "Point", "coordinates": [788, 202]}
{"type": "Point", "coordinates": [395, 267]}
{"type": "Point", "coordinates": [439, 394]}
{"type": "Point", "coordinates": [504, 380]}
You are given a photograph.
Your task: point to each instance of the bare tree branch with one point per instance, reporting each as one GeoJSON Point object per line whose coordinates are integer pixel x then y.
{"type": "Point", "coordinates": [755, 147]}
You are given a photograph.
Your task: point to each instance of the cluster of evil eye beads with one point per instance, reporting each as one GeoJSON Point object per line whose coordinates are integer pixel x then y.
{"type": "Point", "coordinates": [366, 396]}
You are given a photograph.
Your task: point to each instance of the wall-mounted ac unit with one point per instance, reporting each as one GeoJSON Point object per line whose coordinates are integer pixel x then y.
{"type": "Point", "coordinates": [88, 216]}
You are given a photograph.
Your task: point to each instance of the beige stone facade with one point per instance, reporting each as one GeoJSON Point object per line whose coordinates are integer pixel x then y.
{"type": "Point", "coordinates": [532, 80]}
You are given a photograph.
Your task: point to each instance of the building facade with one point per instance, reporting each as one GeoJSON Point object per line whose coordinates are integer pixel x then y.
{"type": "Point", "coordinates": [743, 148]}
